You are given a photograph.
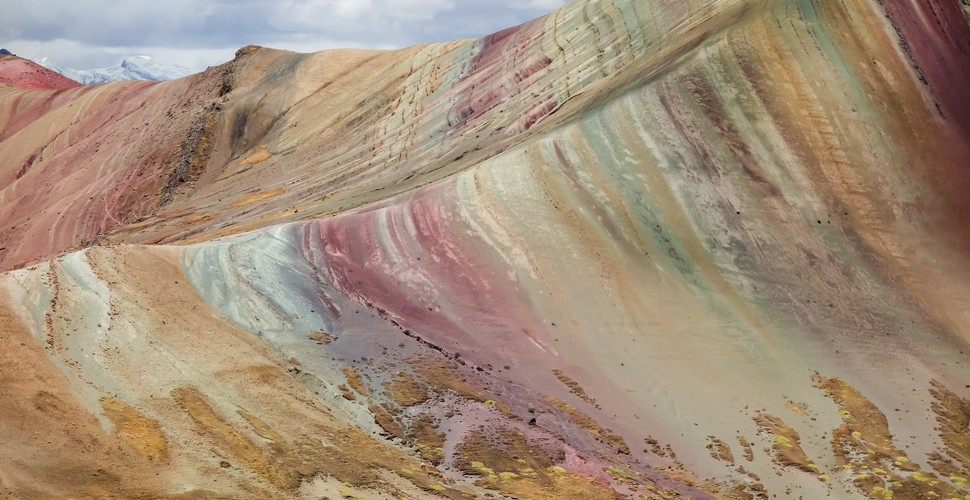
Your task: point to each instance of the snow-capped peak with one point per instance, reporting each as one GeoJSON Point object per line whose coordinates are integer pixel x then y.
{"type": "Point", "coordinates": [137, 67]}
{"type": "Point", "coordinates": [146, 68]}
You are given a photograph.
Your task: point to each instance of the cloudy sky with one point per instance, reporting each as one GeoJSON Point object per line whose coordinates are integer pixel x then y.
{"type": "Point", "coordinates": [84, 34]}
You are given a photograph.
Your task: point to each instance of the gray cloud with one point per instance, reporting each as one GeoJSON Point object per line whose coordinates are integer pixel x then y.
{"type": "Point", "coordinates": [195, 33]}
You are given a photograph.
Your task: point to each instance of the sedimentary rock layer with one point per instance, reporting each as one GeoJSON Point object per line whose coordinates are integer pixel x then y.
{"type": "Point", "coordinates": [584, 256]}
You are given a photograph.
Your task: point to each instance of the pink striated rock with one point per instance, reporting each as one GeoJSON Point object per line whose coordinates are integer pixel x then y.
{"type": "Point", "coordinates": [657, 227]}
{"type": "Point", "coordinates": [30, 75]}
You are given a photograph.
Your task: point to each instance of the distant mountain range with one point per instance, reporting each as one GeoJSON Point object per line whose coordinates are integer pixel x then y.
{"type": "Point", "coordinates": [130, 68]}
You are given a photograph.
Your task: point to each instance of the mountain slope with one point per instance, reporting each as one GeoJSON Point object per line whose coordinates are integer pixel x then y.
{"type": "Point", "coordinates": [27, 74]}
{"type": "Point", "coordinates": [713, 249]}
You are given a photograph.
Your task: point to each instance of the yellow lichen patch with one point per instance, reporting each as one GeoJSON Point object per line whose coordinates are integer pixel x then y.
{"type": "Point", "coordinates": [786, 446]}
{"type": "Point", "coordinates": [346, 393]}
{"type": "Point", "coordinates": [502, 450]}
{"type": "Point", "coordinates": [953, 421]}
{"type": "Point", "coordinates": [354, 381]}
{"type": "Point", "coordinates": [655, 447]}
{"type": "Point", "coordinates": [349, 455]}
{"type": "Point", "coordinates": [880, 492]}
{"type": "Point", "coordinates": [566, 485]}
{"type": "Point", "coordinates": [260, 428]}
{"type": "Point", "coordinates": [506, 461]}
{"type": "Point", "coordinates": [135, 429]}
{"type": "Point", "coordinates": [573, 386]}
{"type": "Point", "coordinates": [321, 337]}
{"type": "Point", "coordinates": [799, 409]}
{"type": "Point", "coordinates": [348, 495]}
{"type": "Point", "coordinates": [621, 475]}
{"type": "Point", "coordinates": [231, 441]}
{"type": "Point", "coordinates": [441, 375]}
{"type": "Point", "coordinates": [480, 467]}
{"type": "Point", "coordinates": [427, 438]}
{"type": "Point", "coordinates": [864, 426]}
{"type": "Point", "coordinates": [405, 390]}
{"type": "Point", "coordinates": [260, 155]}
{"type": "Point", "coordinates": [387, 421]}
{"type": "Point", "coordinates": [584, 421]}
{"type": "Point", "coordinates": [782, 440]}
{"type": "Point", "coordinates": [720, 450]}
{"type": "Point", "coordinates": [746, 446]}
{"type": "Point", "coordinates": [743, 491]}
{"type": "Point", "coordinates": [257, 196]}
{"type": "Point", "coordinates": [864, 443]}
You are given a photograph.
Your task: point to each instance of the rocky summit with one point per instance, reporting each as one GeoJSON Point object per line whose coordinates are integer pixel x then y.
{"type": "Point", "coordinates": [632, 249]}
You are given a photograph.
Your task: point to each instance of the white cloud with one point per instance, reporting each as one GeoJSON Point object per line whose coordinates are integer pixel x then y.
{"type": "Point", "coordinates": [547, 5]}
{"type": "Point", "coordinates": [298, 15]}
{"type": "Point", "coordinates": [416, 10]}
{"type": "Point", "coordinates": [73, 54]}
{"type": "Point", "coordinates": [365, 20]}
{"type": "Point", "coordinates": [84, 34]}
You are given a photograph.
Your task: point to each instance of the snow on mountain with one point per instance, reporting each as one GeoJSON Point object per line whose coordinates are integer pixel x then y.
{"type": "Point", "coordinates": [131, 68]}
